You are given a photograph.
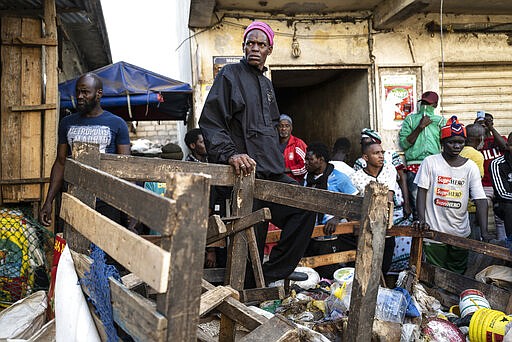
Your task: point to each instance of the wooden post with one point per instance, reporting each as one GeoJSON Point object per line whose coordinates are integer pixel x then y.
{"type": "Point", "coordinates": [370, 250]}
{"type": "Point", "coordinates": [237, 250]}
{"type": "Point", "coordinates": [50, 116]}
{"type": "Point", "coordinates": [416, 254]}
{"type": "Point", "coordinates": [180, 304]}
{"type": "Point", "coordinates": [88, 154]}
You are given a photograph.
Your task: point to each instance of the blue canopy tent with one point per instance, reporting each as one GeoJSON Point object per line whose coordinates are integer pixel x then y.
{"type": "Point", "coordinates": [135, 94]}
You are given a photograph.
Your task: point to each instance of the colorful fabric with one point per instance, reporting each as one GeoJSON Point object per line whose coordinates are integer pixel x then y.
{"type": "Point", "coordinates": [453, 129]}
{"type": "Point", "coordinates": [413, 168]}
{"type": "Point", "coordinates": [428, 141]}
{"type": "Point", "coordinates": [259, 25]}
{"type": "Point", "coordinates": [372, 134]}
{"type": "Point", "coordinates": [107, 130]}
{"type": "Point", "coordinates": [295, 158]}
{"type": "Point", "coordinates": [448, 191]}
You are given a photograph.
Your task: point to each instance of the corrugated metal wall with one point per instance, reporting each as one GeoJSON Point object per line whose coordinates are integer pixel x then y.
{"type": "Point", "coordinates": [470, 88]}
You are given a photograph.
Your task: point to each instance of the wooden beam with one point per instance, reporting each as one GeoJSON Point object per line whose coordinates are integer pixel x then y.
{"type": "Point", "coordinates": [90, 155]}
{"type": "Point", "coordinates": [237, 311]}
{"type": "Point", "coordinates": [31, 108]}
{"type": "Point", "coordinates": [492, 250]}
{"type": "Point", "coordinates": [370, 250]}
{"type": "Point", "coordinates": [30, 41]}
{"type": "Point", "coordinates": [154, 169]}
{"type": "Point", "coordinates": [212, 298]}
{"type": "Point", "coordinates": [456, 283]}
{"type": "Point", "coordinates": [130, 250]}
{"type": "Point", "coordinates": [51, 96]}
{"type": "Point", "coordinates": [181, 303]}
{"type": "Point", "coordinates": [216, 226]}
{"type": "Point", "coordinates": [155, 211]}
{"type": "Point", "coordinates": [262, 294]}
{"type": "Point", "coordinates": [278, 329]}
{"type": "Point", "coordinates": [328, 259]}
{"type": "Point", "coordinates": [341, 228]}
{"type": "Point", "coordinates": [390, 13]}
{"type": "Point", "coordinates": [241, 223]}
{"type": "Point", "coordinates": [317, 200]}
{"type": "Point", "coordinates": [134, 313]}
{"type": "Point", "coordinates": [237, 250]}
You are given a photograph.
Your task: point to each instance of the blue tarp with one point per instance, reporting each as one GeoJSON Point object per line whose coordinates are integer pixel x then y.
{"type": "Point", "coordinates": [135, 93]}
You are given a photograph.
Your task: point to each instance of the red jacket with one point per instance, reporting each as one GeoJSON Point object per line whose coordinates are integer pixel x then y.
{"type": "Point", "coordinates": [294, 158]}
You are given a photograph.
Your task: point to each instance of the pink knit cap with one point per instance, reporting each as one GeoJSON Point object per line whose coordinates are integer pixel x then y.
{"type": "Point", "coordinates": [260, 25]}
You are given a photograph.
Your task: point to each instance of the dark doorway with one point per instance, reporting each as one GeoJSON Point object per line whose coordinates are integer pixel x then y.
{"type": "Point", "coordinates": [325, 104]}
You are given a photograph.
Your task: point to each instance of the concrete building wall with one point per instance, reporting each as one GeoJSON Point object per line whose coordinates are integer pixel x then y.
{"type": "Point", "coordinates": [334, 43]}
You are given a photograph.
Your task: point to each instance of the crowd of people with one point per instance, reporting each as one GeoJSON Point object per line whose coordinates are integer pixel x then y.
{"type": "Point", "coordinates": [451, 178]}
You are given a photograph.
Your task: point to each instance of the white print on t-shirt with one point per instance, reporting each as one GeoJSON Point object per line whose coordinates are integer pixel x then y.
{"type": "Point", "coordinates": [491, 153]}
{"type": "Point", "coordinates": [90, 134]}
{"type": "Point", "coordinates": [451, 197]}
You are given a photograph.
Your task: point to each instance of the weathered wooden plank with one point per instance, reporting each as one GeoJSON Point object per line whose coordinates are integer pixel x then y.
{"type": "Point", "coordinates": [328, 259]}
{"type": "Point", "coordinates": [215, 226]}
{"type": "Point", "coordinates": [181, 303]}
{"type": "Point", "coordinates": [155, 211]}
{"type": "Point", "coordinates": [30, 41]}
{"type": "Point", "coordinates": [90, 155]}
{"type": "Point", "coordinates": [155, 169]}
{"type": "Point", "coordinates": [262, 294]}
{"type": "Point", "coordinates": [32, 108]}
{"type": "Point", "coordinates": [241, 223]}
{"type": "Point", "coordinates": [456, 283]}
{"type": "Point", "coordinates": [237, 249]}
{"type": "Point", "coordinates": [10, 123]}
{"type": "Point", "coordinates": [212, 298]}
{"type": "Point", "coordinates": [370, 250]}
{"type": "Point", "coordinates": [134, 313]}
{"type": "Point", "coordinates": [237, 311]}
{"type": "Point", "coordinates": [129, 249]}
{"type": "Point", "coordinates": [321, 201]}
{"type": "Point", "coordinates": [50, 116]}
{"type": "Point", "coordinates": [492, 250]}
{"type": "Point", "coordinates": [278, 328]}
{"type": "Point", "coordinates": [31, 94]}
{"type": "Point", "coordinates": [341, 228]}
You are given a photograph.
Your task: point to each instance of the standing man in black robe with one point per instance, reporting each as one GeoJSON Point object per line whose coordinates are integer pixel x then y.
{"type": "Point", "coordinates": [239, 125]}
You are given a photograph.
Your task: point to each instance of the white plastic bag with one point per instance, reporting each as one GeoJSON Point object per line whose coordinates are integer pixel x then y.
{"type": "Point", "coordinates": [25, 317]}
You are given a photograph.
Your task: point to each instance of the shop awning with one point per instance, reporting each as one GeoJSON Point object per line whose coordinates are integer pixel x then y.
{"type": "Point", "coordinates": [135, 94]}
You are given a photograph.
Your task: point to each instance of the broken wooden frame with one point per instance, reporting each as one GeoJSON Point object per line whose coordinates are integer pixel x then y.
{"type": "Point", "coordinates": [181, 218]}
{"type": "Point", "coordinates": [247, 188]}
{"type": "Point", "coordinates": [132, 168]}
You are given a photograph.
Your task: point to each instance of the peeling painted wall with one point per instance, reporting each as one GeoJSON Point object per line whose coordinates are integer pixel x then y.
{"type": "Point", "coordinates": [335, 43]}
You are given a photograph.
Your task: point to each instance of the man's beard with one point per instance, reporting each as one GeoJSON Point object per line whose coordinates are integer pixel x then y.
{"type": "Point", "coordinates": [87, 107]}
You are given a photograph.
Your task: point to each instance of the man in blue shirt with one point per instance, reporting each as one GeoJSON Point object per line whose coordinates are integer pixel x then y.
{"type": "Point", "coordinates": [322, 175]}
{"type": "Point", "coordinates": [90, 124]}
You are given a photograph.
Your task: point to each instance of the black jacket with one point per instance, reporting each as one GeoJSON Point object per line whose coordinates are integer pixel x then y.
{"type": "Point", "coordinates": [240, 115]}
{"type": "Point", "coordinates": [501, 176]}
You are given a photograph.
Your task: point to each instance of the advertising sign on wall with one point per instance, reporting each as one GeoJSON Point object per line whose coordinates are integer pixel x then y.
{"type": "Point", "coordinates": [398, 99]}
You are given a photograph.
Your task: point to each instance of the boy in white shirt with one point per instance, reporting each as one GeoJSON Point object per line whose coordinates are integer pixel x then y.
{"type": "Point", "coordinates": [445, 183]}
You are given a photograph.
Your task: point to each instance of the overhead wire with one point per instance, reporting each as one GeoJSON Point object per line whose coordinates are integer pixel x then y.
{"type": "Point", "coordinates": [442, 55]}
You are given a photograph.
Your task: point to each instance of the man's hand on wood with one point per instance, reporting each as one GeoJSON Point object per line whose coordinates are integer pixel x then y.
{"type": "Point", "coordinates": [242, 163]}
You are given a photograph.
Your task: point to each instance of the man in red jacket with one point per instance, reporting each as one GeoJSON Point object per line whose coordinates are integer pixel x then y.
{"type": "Point", "coordinates": [293, 148]}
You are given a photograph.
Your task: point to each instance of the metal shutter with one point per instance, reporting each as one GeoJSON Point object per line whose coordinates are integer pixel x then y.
{"type": "Point", "coordinates": [470, 88]}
